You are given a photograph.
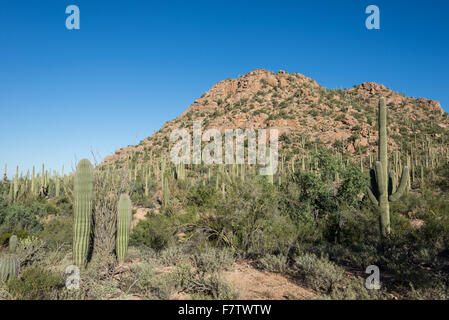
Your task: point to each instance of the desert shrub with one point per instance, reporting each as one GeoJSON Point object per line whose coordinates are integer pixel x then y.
{"type": "Point", "coordinates": [443, 177]}
{"type": "Point", "coordinates": [353, 288]}
{"type": "Point", "coordinates": [316, 196]}
{"type": "Point", "coordinates": [318, 273]}
{"type": "Point", "coordinates": [352, 227]}
{"type": "Point", "coordinates": [441, 292]}
{"type": "Point", "coordinates": [202, 196]}
{"type": "Point", "coordinates": [141, 200]}
{"type": "Point", "coordinates": [58, 231]}
{"type": "Point", "coordinates": [171, 255]}
{"type": "Point", "coordinates": [273, 263]}
{"type": "Point", "coordinates": [19, 216]}
{"type": "Point", "coordinates": [104, 290]}
{"type": "Point", "coordinates": [31, 250]}
{"type": "Point", "coordinates": [353, 185]}
{"type": "Point", "coordinates": [157, 232]}
{"type": "Point", "coordinates": [4, 293]}
{"type": "Point", "coordinates": [248, 220]}
{"type": "Point", "coordinates": [212, 287]}
{"type": "Point", "coordinates": [328, 165]}
{"type": "Point", "coordinates": [285, 138]}
{"type": "Point", "coordinates": [151, 285]}
{"type": "Point", "coordinates": [152, 282]}
{"type": "Point", "coordinates": [211, 260]}
{"type": "Point", "coordinates": [92, 287]}
{"type": "Point", "coordinates": [36, 283]}
{"type": "Point", "coordinates": [436, 224]}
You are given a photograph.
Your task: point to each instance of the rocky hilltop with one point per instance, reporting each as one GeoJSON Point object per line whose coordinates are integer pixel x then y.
{"type": "Point", "coordinates": [302, 110]}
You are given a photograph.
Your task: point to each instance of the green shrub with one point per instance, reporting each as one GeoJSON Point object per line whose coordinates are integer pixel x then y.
{"type": "Point", "coordinates": [353, 185]}
{"type": "Point", "coordinates": [249, 221]}
{"type": "Point", "coordinates": [36, 283]}
{"type": "Point", "coordinates": [31, 250]}
{"type": "Point", "coordinates": [273, 263]}
{"type": "Point", "coordinates": [171, 256]}
{"type": "Point", "coordinates": [212, 287]}
{"type": "Point", "coordinates": [155, 232]}
{"type": "Point", "coordinates": [213, 260]}
{"type": "Point", "coordinates": [202, 196]}
{"type": "Point", "coordinates": [318, 273]}
{"type": "Point", "coordinates": [19, 216]}
{"type": "Point", "coordinates": [58, 231]}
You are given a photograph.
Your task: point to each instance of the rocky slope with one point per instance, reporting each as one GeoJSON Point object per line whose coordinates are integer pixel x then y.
{"type": "Point", "coordinates": [302, 110]}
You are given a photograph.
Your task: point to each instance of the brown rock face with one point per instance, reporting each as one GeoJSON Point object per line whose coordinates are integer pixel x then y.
{"type": "Point", "coordinates": [299, 107]}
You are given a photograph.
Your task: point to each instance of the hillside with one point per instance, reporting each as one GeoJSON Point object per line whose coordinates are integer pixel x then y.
{"type": "Point", "coordinates": [311, 230]}
{"type": "Point", "coordinates": [302, 110]}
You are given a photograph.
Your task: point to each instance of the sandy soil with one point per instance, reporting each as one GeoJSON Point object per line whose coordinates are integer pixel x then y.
{"type": "Point", "coordinates": [254, 284]}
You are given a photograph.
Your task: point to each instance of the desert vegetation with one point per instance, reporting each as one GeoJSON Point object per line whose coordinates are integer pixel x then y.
{"type": "Point", "coordinates": [140, 227]}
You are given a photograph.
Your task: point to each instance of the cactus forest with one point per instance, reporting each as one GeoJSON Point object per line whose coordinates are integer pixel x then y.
{"type": "Point", "coordinates": [140, 227]}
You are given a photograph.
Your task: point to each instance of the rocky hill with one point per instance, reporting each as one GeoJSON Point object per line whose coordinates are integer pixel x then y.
{"type": "Point", "coordinates": [304, 111]}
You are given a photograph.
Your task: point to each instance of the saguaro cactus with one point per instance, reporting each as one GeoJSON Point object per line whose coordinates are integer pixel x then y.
{"type": "Point", "coordinates": [9, 268]}
{"type": "Point", "coordinates": [123, 227]}
{"type": "Point", "coordinates": [166, 192]}
{"type": "Point", "coordinates": [13, 243]}
{"type": "Point", "coordinates": [82, 206]}
{"type": "Point", "coordinates": [383, 185]}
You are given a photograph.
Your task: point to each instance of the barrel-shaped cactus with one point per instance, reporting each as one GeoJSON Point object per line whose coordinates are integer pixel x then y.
{"type": "Point", "coordinates": [82, 206]}
{"type": "Point", "coordinates": [383, 183]}
{"type": "Point", "coordinates": [123, 227]}
{"type": "Point", "coordinates": [9, 268]}
{"type": "Point", "coordinates": [13, 243]}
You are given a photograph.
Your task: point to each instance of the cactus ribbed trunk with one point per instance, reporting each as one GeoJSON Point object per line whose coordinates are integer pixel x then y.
{"type": "Point", "coordinates": [384, 206]}
{"type": "Point", "coordinates": [82, 212]}
{"type": "Point", "coordinates": [9, 268]}
{"type": "Point", "coordinates": [13, 243]}
{"type": "Point", "coordinates": [166, 193]}
{"type": "Point", "coordinates": [123, 227]}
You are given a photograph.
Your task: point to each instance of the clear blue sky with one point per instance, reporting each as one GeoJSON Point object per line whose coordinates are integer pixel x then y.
{"type": "Point", "coordinates": [135, 64]}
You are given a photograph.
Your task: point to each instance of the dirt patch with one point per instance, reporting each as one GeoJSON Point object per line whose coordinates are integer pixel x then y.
{"type": "Point", "coordinates": [140, 215]}
{"type": "Point", "coordinates": [253, 284]}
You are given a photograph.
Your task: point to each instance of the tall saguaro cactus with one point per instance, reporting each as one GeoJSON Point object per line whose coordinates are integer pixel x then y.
{"type": "Point", "coordinates": [123, 227]}
{"type": "Point", "coordinates": [383, 184]}
{"type": "Point", "coordinates": [82, 205]}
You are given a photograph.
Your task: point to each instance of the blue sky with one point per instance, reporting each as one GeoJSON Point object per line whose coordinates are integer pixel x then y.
{"type": "Point", "coordinates": [135, 64]}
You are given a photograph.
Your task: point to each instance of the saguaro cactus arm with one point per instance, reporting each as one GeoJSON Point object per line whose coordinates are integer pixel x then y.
{"type": "Point", "coordinates": [402, 185]}
{"type": "Point", "coordinates": [380, 179]}
{"type": "Point", "coordinates": [372, 197]}
{"type": "Point", "coordinates": [392, 182]}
